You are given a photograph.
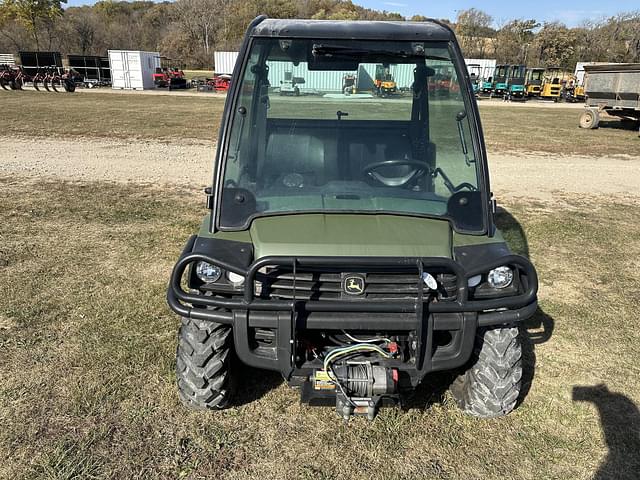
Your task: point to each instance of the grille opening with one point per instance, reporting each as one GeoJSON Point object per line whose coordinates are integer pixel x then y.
{"type": "Point", "coordinates": [326, 284]}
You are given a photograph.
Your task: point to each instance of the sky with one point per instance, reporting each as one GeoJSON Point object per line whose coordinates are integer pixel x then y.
{"type": "Point", "coordinates": [570, 13]}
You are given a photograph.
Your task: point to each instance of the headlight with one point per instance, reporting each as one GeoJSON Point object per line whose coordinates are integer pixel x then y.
{"type": "Point", "coordinates": [208, 273]}
{"type": "Point", "coordinates": [235, 279]}
{"type": "Point", "coordinates": [500, 277]}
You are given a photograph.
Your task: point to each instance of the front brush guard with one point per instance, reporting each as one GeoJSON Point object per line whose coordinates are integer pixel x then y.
{"type": "Point", "coordinates": [420, 314]}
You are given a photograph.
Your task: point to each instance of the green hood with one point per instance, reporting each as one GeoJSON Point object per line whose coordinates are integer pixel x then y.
{"type": "Point", "coordinates": [351, 235]}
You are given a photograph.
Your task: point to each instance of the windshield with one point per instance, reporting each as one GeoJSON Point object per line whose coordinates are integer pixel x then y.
{"type": "Point", "coordinates": [350, 126]}
{"type": "Point", "coordinates": [537, 74]}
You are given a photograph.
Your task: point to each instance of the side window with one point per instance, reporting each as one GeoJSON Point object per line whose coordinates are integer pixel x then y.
{"type": "Point", "coordinates": [241, 128]}
{"type": "Point", "coordinates": [450, 128]}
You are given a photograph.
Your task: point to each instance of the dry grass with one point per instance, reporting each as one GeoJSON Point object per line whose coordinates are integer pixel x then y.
{"type": "Point", "coordinates": [110, 115]}
{"type": "Point", "coordinates": [553, 130]}
{"type": "Point", "coordinates": [198, 73]}
{"type": "Point", "coordinates": [87, 345]}
{"type": "Point", "coordinates": [166, 117]}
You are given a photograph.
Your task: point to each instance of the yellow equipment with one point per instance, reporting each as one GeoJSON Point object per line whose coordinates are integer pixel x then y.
{"type": "Point", "coordinates": [533, 83]}
{"type": "Point", "coordinates": [384, 83]}
{"type": "Point", "coordinates": [551, 86]}
{"type": "Point", "coordinates": [572, 91]}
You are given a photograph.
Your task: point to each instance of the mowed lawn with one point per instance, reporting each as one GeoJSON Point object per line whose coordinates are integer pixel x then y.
{"type": "Point", "coordinates": [87, 384]}
{"type": "Point", "coordinates": [169, 117]}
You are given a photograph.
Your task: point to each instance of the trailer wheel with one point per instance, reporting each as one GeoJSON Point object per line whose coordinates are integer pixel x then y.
{"type": "Point", "coordinates": [490, 387]}
{"type": "Point", "coordinates": [590, 118]}
{"type": "Point", "coordinates": [203, 364]}
{"type": "Point", "coordinates": [69, 85]}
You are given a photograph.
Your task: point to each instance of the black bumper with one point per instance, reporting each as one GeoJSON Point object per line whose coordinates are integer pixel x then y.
{"type": "Point", "coordinates": [460, 316]}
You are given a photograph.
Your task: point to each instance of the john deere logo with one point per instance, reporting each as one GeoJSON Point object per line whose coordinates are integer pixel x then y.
{"type": "Point", "coordinates": [353, 284]}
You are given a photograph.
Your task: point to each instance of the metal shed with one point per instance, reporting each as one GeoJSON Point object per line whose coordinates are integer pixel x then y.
{"type": "Point", "coordinates": [487, 66]}
{"type": "Point", "coordinates": [224, 62]}
{"type": "Point", "coordinates": [33, 61]}
{"type": "Point", "coordinates": [332, 81]}
{"type": "Point", "coordinates": [133, 69]}
{"type": "Point", "coordinates": [93, 69]}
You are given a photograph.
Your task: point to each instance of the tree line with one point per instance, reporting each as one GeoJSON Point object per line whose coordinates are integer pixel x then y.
{"type": "Point", "coordinates": [189, 31]}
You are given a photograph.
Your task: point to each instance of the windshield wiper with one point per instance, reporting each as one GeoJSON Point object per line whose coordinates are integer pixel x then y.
{"type": "Point", "coordinates": [459, 117]}
{"type": "Point", "coordinates": [331, 50]}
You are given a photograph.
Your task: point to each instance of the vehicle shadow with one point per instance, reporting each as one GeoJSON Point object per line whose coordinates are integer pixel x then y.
{"type": "Point", "coordinates": [618, 124]}
{"type": "Point", "coordinates": [536, 330]}
{"type": "Point", "coordinates": [539, 328]}
{"type": "Point", "coordinates": [253, 384]}
{"type": "Point", "coordinates": [620, 423]}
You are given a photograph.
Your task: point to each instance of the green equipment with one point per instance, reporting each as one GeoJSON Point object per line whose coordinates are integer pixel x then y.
{"type": "Point", "coordinates": [475, 71]}
{"type": "Point", "coordinates": [486, 86]}
{"type": "Point", "coordinates": [515, 82]}
{"type": "Point", "coordinates": [500, 81]}
{"type": "Point", "coordinates": [351, 242]}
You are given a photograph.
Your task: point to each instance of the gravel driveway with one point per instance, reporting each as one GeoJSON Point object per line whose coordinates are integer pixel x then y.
{"type": "Point", "coordinates": [538, 176]}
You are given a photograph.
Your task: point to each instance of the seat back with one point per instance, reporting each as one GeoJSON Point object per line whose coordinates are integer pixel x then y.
{"type": "Point", "coordinates": [309, 155]}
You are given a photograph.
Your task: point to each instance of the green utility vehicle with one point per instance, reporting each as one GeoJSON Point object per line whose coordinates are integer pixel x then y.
{"type": "Point", "coordinates": [351, 243]}
{"type": "Point", "coordinates": [475, 71]}
{"type": "Point", "coordinates": [500, 81]}
{"type": "Point", "coordinates": [516, 79]}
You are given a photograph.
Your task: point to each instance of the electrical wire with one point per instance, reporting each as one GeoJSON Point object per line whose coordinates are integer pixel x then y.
{"type": "Point", "coordinates": [344, 351]}
{"type": "Point", "coordinates": [362, 347]}
{"type": "Point", "coordinates": [369, 340]}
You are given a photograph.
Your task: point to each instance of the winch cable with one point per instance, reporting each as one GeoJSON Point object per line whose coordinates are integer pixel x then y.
{"type": "Point", "coordinates": [358, 348]}
{"type": "Point", "coordinates": [346, 351]}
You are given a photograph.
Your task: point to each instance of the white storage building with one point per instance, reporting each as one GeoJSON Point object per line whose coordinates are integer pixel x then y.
{"type": "Point", "coordinates": [487, 66]}
{"type": "Point", "coordinates": [133, 69]}
{"type": "Point", "coordinates": [223, 62]}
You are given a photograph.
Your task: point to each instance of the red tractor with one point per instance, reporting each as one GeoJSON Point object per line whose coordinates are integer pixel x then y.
{"type": "Point", "coordinates": [169, 77]}
{"type": "Point", "coordinates": [221, 82]}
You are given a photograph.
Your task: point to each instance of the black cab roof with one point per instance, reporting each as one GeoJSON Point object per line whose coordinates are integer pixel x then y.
{"type": "Point", "coordinates": [355, 30]}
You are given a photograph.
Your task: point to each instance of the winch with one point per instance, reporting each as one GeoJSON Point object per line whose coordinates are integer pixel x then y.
{"type": "Point", "coordinates": [359, 387]}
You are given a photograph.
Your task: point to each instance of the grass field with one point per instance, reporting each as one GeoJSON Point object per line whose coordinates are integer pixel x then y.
{"type": "Point", "coordinates": [198, 73]}
{"type": "Point", "coordinates": [166, 117]}
{"type": "Point", "coordinates": [87, 343]}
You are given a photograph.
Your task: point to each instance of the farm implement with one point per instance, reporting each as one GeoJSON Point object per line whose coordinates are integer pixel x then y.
{"type": "Point", "coordinates": [51, 79]}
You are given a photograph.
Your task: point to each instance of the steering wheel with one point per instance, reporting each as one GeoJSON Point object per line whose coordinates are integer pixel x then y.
{"type": "Point", "coordinates": [420, 168]}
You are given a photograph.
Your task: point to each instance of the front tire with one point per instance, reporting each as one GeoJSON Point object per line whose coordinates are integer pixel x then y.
{"type": "Point", "coordinates": [491, 385]}
{"type": "Point", "coordinates": [203, 364]}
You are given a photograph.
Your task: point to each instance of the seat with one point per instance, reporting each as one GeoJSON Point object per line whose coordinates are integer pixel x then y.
{"type": "Point", "coordinates": [302, 153]}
